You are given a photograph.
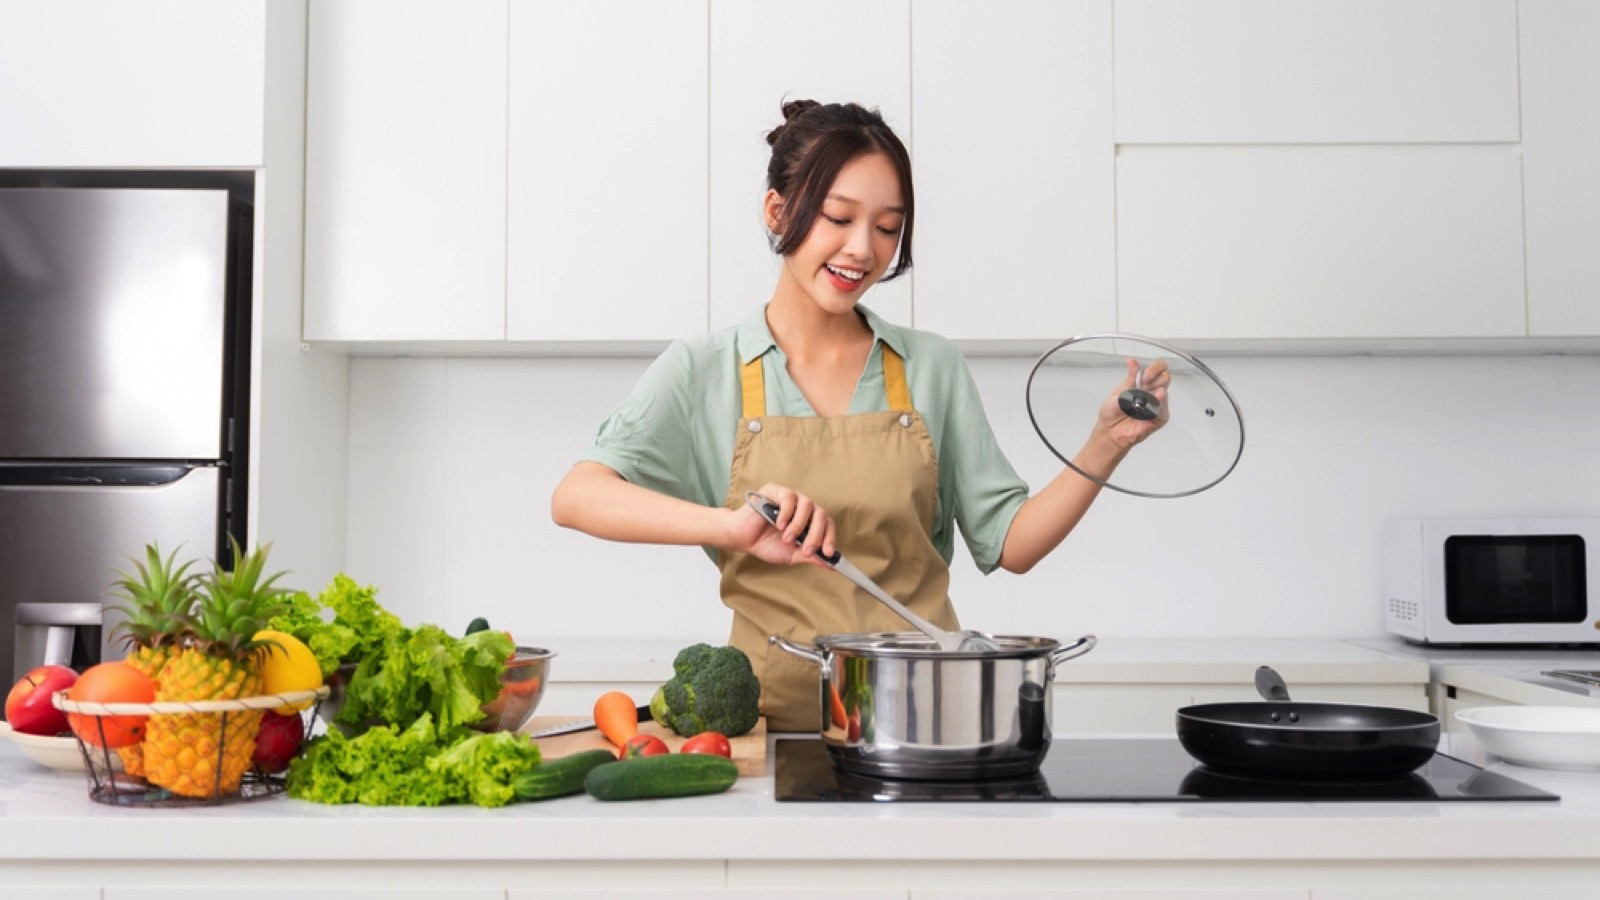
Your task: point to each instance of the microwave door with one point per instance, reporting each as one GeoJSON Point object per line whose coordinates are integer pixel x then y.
{"type": "Point", "coordinates": [65, 531]}
{"type": "Point", "coordinates": [112, 315]}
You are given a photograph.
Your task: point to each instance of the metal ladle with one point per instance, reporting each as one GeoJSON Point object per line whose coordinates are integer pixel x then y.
{"type": "Point", "coordinates": [965, 640]}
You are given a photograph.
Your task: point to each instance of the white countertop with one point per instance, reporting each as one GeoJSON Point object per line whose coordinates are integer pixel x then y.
{"type": "Point", "coordinates": [47, 816]}
{"type": "Point", "coordinates": [1516, 675]}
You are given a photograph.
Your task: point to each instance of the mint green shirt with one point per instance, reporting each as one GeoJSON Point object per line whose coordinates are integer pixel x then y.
{"type": "Point", "coordinates": [675, 432]}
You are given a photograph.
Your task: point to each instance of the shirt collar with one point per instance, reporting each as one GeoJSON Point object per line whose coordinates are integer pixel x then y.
{"type": "Point", "coordinates": [755, 338]}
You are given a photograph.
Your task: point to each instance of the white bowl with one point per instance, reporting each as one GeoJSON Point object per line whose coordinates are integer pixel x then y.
{"type": "Point", "coordinates": [60, 753]}
{"type": "Point", "coordinates": [1548, 737]}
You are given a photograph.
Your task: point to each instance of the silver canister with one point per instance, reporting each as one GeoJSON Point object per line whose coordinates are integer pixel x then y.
{"type": "Point", "coordinates": [895, 706]}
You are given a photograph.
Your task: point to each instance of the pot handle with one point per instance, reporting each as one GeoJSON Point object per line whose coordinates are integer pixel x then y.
{"type": "Point", "coordinates": [799, 650]}
{"type": "Point", "coordinates": [1075, 649]}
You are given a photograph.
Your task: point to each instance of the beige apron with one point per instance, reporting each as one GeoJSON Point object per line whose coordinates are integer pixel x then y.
{"type": "Point", "coordinates": [877, 476]}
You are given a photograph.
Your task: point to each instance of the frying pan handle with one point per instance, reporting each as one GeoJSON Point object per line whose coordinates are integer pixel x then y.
{"type": "Point", "coordinates": [1075, 649]}
{"type": "Point", "coordinates": [769, 511]}
{"type": "Point", "coordinates": [799, 650]}
{"type": "Point", "coordinates": [1269, 684]}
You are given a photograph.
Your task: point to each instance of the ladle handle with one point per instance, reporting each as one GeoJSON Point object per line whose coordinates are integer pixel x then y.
{"type": "Point", "coordinates": [769, 511]}
{"type": "Point", "coordinates": [1269, 684]}
{"type": "Point", "coordinates": [944, 639]}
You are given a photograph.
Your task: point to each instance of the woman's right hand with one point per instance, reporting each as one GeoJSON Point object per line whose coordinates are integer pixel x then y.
{"type": "Point", "coordinates": [797, 515]}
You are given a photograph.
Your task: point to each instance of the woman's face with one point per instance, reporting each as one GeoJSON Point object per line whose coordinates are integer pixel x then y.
{"type": "Point", "coordinates": [853, 240]}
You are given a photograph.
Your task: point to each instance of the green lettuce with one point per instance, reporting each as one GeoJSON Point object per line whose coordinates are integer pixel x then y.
{"type": "Point", "coordinates": [358, 626]}
{"type": "Point", "coordinates": [417, 766]}
{"type": "Point", "coordinates": [424, 671]}
{"type": "Point", "coordinates": [482, 768]}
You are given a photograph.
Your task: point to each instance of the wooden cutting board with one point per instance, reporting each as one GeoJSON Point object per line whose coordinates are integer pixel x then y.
{"type": "Point", "coordinates": [749, 750]}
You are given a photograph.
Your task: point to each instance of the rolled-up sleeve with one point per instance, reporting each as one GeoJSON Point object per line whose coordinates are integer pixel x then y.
{"type": "Point", "coordinates": [647, 438]}
{"type": "Point", "coordinates": [980, 483]}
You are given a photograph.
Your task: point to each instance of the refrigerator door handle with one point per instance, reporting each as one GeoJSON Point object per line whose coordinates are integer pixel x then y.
{"type": "Point", "coordinates": [93, 475]}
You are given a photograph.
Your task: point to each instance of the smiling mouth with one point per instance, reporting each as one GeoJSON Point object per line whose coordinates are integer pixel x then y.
{"type": "Point", "coordinates": [849, 276]}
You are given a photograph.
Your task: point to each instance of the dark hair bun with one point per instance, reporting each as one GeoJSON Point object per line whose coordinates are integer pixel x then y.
{"type": "Point", "coordinates": [791, 109]}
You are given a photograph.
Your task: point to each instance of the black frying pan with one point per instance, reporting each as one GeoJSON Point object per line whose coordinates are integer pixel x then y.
{"type": "Point", "coordinates": [1281, 738]}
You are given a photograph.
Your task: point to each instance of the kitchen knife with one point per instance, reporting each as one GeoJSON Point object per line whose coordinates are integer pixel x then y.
{"type": "Point", "coordinates": [581, 725]}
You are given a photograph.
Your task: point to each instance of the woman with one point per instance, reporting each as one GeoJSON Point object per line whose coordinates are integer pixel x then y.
{"type": "Point", "coordinates": [869, 437]}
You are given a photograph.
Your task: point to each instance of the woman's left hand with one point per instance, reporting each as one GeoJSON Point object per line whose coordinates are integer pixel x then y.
{"type": "Point", "coordinates": [1123, 430]}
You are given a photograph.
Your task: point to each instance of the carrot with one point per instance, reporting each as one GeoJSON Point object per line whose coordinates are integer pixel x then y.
{"type": "Point", "coordinates": [839, 718]}
{"type": "Point", "coordinates": [617, 717]}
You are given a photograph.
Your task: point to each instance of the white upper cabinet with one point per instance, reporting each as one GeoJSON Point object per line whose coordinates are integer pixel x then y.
{"type": "Point", "coordinates": [765, 52]}
{"type": "Point", "coordinates": [1331, 71]}
{"type": "Point", "coordinates": [607, 170]}
{"type": "Point", "coordinates": [406, 170]}
{"type": "Point", "coordinates": [1014, 168]}
{"type": "Point", "coordinates": [1561, 175]}
{"type": "Point", "coordinates": [107, 83]}
{"type": "Point", "coordinates": [1320, 242]}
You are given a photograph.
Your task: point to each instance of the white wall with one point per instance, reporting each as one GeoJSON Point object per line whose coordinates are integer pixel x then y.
{"type": "Point", "coordinates": [452, 462]}
{"type": "Point", "coordinates": [452, 459]}
{"type": "Point", "coordinates": [298, 436]}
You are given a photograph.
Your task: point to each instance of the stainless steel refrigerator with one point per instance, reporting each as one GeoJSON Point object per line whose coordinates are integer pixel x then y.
{"type": "Point", "coordinates": [124, 320]}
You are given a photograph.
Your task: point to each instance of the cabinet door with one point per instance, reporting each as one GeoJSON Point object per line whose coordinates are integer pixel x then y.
{"type": "Point", "coordinates": [608, 181]}
{"type": "Point", "coordinates": [1320, 242]}
{"type": "Point", "coordinates": [1560, 143]}
{"type": "Point", "coordinates": [766, 52]}
{"type": "Point", "coordinates": [292, 887]}
{"type": "Point", "coordinates": [1014, 159]}
{"type": "Point", "coordinates": [109, 83]}
{"type": "Point", "coordinates": [1321, 71]}
{"type": "Point", "coordinates": [1114, 894]}
{"type": "Point", "coordinates": [406, 170]}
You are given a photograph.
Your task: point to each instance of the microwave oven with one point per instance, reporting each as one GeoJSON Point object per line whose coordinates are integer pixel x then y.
{"type": "Point", "coordinates": [1459, 582]}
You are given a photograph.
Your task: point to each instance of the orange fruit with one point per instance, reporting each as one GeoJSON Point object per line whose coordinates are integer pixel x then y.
{"type": "Point", "coordinates": [113, 682]}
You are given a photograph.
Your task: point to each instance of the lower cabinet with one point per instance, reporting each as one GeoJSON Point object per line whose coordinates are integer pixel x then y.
{"type": "Point", "coordinates": [701, 894]}
{"type": "Point", "coordinates": [234, 892]}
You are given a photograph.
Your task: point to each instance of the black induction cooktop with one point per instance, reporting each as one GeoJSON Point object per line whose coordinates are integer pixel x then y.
{"type": "Point", "coordinates": [1134, 770]}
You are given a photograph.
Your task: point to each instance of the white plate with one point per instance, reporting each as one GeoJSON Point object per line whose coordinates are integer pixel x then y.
{"type": "Point", "coordinates": [59, 753]}
{"type": "Point", "coordinates": [1548, 737]}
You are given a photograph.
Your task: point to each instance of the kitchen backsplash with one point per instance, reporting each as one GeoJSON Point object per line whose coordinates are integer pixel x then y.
{"type": "Point", "coordinates": [453, 460]}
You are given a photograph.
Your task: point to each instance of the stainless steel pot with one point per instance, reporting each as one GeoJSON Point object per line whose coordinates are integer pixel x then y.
{"type": "Point", "coordinates": [896, 706]}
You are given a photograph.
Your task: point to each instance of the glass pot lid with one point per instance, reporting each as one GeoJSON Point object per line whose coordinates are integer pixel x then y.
{"type": "Point", "coordinates": [1199, 444]}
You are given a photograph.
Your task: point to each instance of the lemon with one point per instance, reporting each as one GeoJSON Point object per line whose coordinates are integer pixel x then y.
{"type": "Point", "coordinates": [290, 666]}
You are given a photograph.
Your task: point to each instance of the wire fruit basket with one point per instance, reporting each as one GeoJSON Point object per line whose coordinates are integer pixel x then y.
{"type": "Point", "coordinates": [206, 756]}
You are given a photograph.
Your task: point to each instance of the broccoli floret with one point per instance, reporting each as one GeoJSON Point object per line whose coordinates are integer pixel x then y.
{"type": "Point", "coordinates": [712, 689]}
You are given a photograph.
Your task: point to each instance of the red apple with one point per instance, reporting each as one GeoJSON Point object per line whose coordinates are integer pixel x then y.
{"type": "Point", "coordinates": [277, 742]}
{"type": "Point", "coordinates": [28, 706]}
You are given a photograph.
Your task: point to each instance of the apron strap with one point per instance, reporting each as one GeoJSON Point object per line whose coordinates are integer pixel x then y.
{"type": "Point", "coordinates": [753, 384]}
{"type": "Point", "coordinates": [894, 380]}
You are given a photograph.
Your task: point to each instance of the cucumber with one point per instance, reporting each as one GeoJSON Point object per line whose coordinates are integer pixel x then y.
{"type": "Point", "coordinates": [559, 777]}
{"type": "Point", "coordinates": [477, 625]}
{"type": "Point", "coordinates": [669, 775]}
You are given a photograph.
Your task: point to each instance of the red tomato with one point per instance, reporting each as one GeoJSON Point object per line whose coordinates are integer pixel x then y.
{"type": "Point", "coordinates": [113, 682]}
{"type": "Point", "coordinates": [708, 742]}
{"type": "Point", "coordinates": [644, 745]}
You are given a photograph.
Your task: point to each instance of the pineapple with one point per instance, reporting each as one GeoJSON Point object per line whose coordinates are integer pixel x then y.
{"type": "Point", "coordinates": [157, 598]}
{"type": "Point", "coordinates": [217, 659]}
